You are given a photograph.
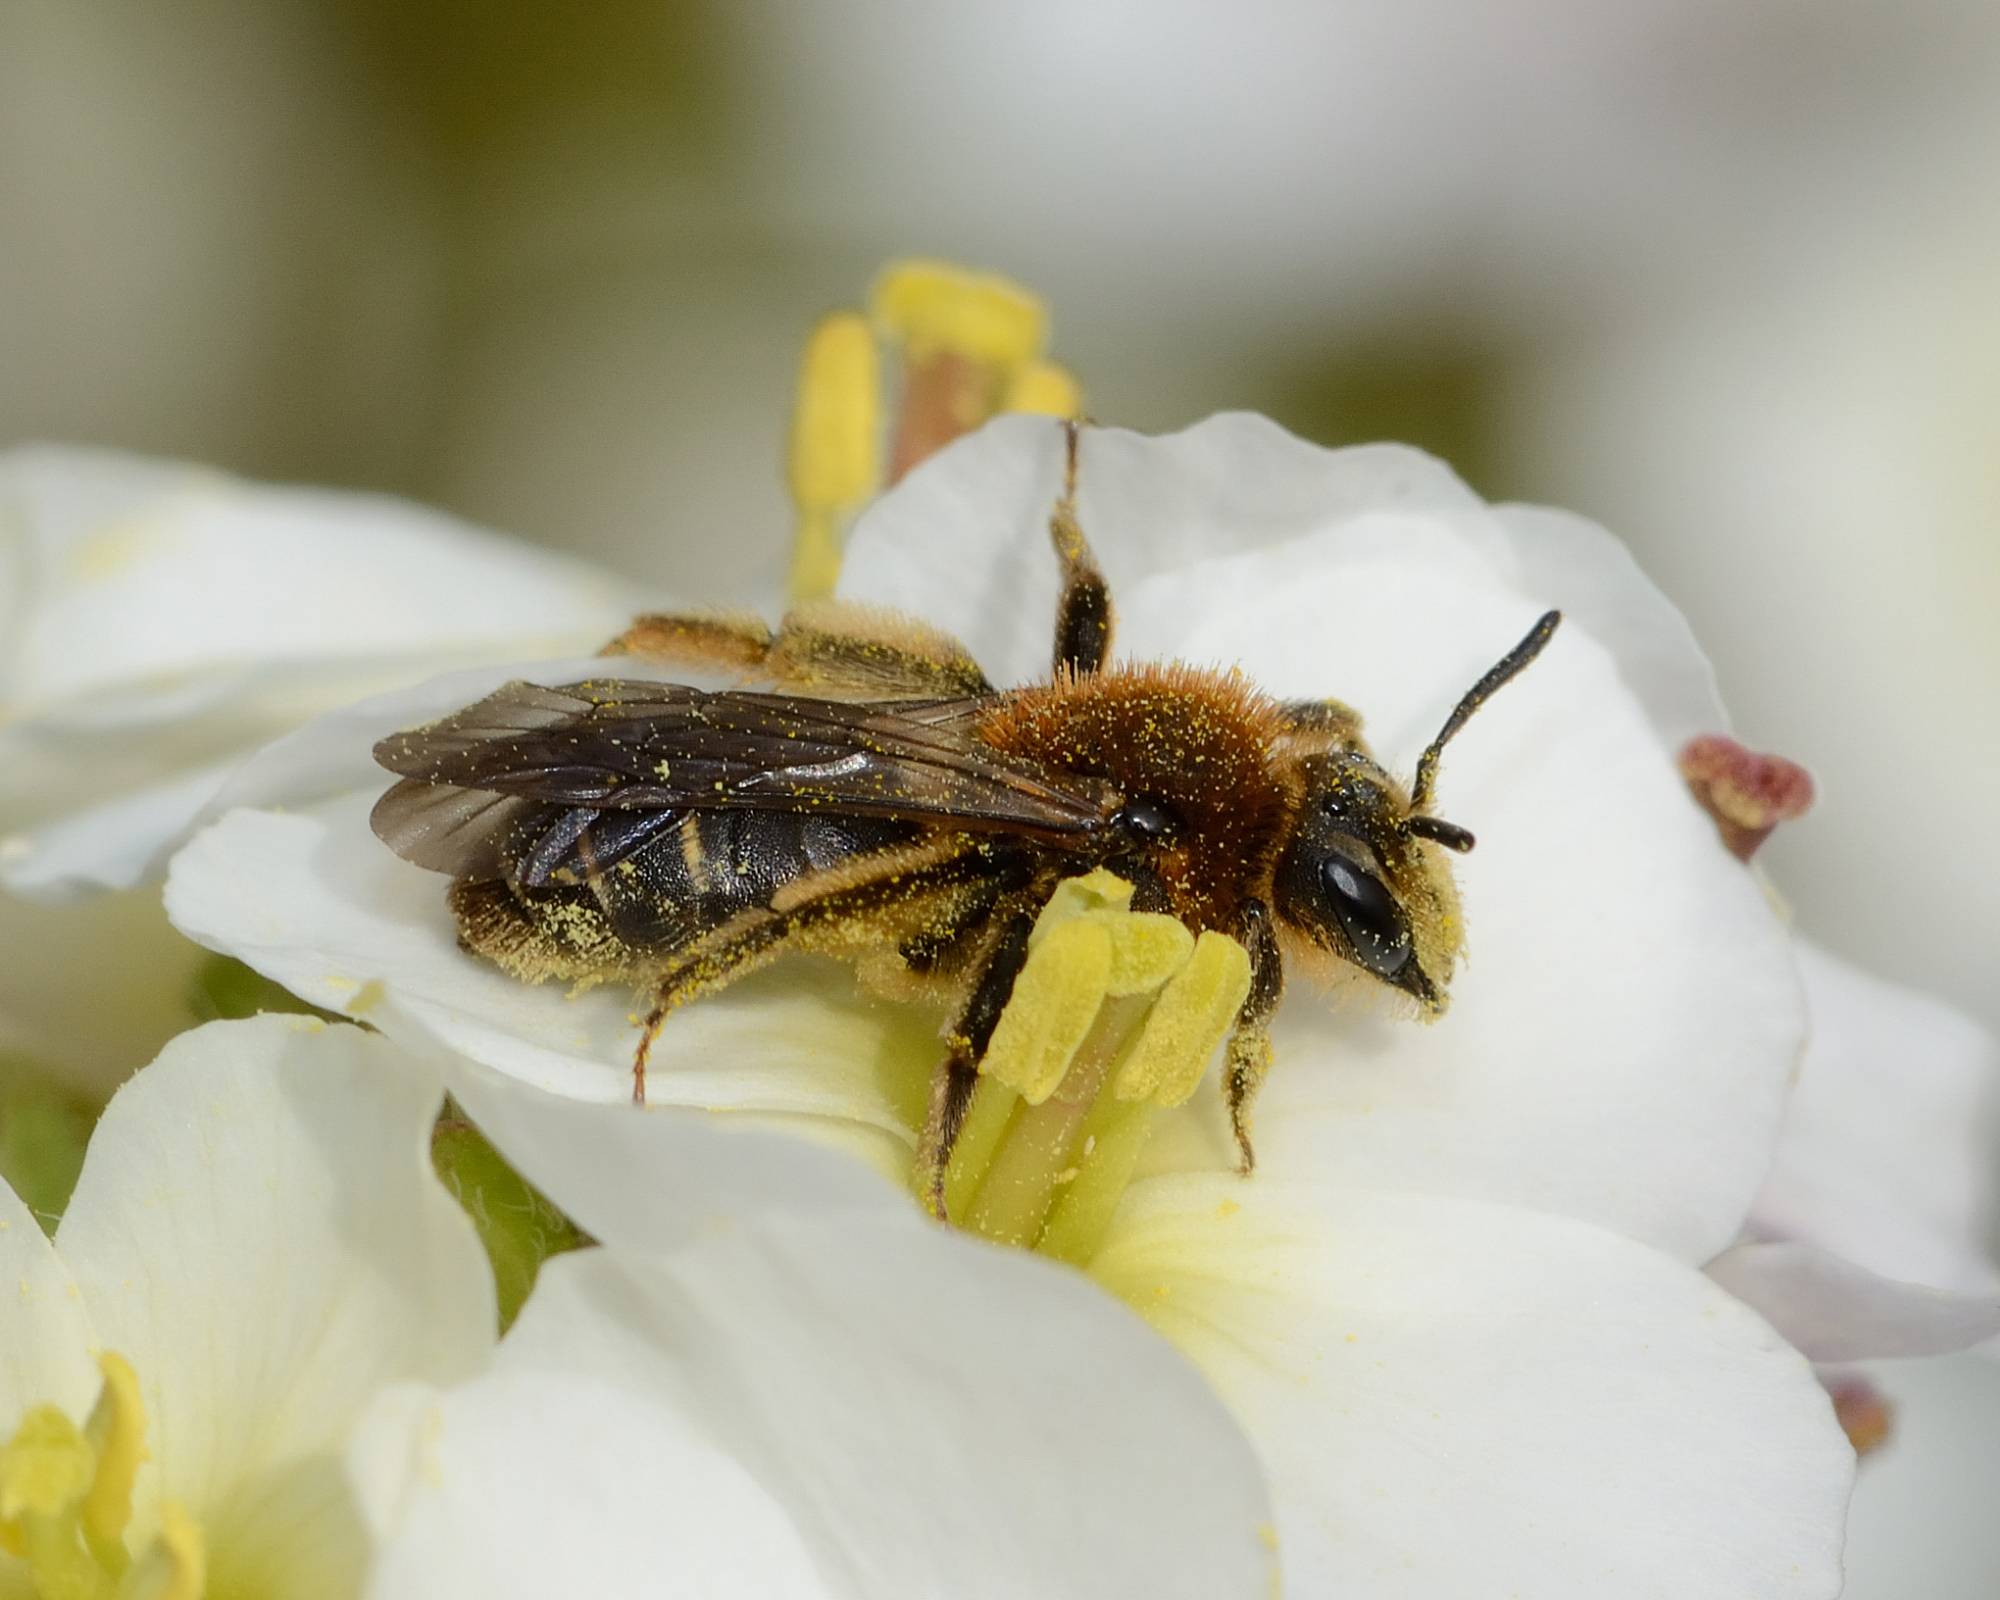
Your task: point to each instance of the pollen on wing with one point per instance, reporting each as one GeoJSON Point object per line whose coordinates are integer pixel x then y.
{"type": "Point", "coordinates": [1198, 739]}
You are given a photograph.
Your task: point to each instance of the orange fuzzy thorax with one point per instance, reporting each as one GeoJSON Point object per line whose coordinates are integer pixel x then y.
{"type": "Point", "coordinates": [1203, 742]}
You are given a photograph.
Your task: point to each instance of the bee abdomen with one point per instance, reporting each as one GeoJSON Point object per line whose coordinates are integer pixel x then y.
{"type": "Point", "coordinates": [716, 864]}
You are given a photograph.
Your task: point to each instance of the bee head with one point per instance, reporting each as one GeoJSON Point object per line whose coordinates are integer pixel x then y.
{"type": "Point", "coordinates": [1365, 877]}
{"type": "Point", "coordinates": [1358, 881]}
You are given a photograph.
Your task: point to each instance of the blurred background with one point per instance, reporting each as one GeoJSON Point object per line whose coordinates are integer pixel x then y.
{"type": "Point", "coordinates": [1725, 276]}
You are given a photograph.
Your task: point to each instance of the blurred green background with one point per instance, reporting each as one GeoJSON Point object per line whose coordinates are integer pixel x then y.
{"type": "Point", "coordinates": [1722, 275]}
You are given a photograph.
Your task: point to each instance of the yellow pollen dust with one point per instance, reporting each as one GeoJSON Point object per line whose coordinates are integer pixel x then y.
{"type": "Point", "coordinates": [66, 1501]}
{"type": "Point", "coordinates": [1115, 1014]}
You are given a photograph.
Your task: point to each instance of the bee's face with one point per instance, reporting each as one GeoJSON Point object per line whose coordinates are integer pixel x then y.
{"type": "Point", "coordinates": [1358, 881]}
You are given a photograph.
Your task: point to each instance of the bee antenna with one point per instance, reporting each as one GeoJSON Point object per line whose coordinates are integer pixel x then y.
{"type": "Point", "coordinates": [1497, 677]}
{"type": "Point", "coordinates": [1436, 829]}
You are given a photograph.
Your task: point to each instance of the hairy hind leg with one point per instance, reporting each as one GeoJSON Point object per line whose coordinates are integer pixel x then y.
{"type": "Point", "coordinates": [719, 963]}
{"type": "Point", "coordinates": [1083, 613]}
{"type": "Point", "coordinates": [856, 892]}
{"type": "Point", "coordinates": [831, 647]}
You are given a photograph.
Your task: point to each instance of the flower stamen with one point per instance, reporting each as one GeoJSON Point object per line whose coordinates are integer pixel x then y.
{"type": "Point", "coordinates": [970, 345]}
{"type": "Point", "coordinates": [66, 1502]}
{"type": "Point", "coordinates": [1116, 1013]}
{"type": "Point", "coordinates": [1745, 792]}
{"type": "Point", "coordinates": [833, 466]}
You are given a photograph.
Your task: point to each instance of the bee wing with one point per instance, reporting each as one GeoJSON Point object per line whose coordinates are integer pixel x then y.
{"type": "Point", "coordinates": [476, 833]}
{"type": "Point", "coordinates": [610, 746]}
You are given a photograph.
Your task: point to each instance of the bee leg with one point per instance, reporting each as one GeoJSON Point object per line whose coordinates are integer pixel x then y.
{"type": "Point", "coordinates": [837, 646]}
{"type": "Point", "coordinates": [958, 1074]}
{"type": "Point", "coordinates": [861, 887]}
{"type": "Point", "coordinates": [649, 1030]}
{"type": "Point", "coordinates": [825, 646]}
{"type": "Point", "coordinates": [716, 964]}
{"type": "Point", "coordinates": [1083, 614]}
{"type": "Point", "coordinates": [1248, 1055]}
{"type": "Point", "coordinates": [729, 642]}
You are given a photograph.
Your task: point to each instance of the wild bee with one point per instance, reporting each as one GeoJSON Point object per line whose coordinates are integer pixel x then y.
{"type": "Point", "coordinates": [885, 803]}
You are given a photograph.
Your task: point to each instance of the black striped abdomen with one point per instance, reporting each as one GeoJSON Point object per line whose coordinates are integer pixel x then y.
{"type": "Point", "coordinates": [714, 865]}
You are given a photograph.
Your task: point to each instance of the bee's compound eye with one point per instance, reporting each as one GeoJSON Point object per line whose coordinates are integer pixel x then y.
{"type": "Point", "coordinates": [1146, 820]}
{"type": "Point", "coordinates": [1374, 924]}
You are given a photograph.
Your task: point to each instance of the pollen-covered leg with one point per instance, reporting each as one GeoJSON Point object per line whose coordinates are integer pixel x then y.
{"type": "Point", "coordinates": [845, 910]}
{"type": "Point", "coordinates": [1083, 613]}
{"type": "Point", "coordinates": [1248, 1056]}
{"type": "Point", "coordinates": [718, 963]}
{"type": "Point", "coordinates": [826, 647]}
{"type": "Point", "coordinates": [731, 642]}
{"type": "Point", "coordinates": [958, 1074]}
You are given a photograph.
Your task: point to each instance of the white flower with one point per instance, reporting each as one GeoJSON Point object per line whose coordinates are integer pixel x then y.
{"type": "Point", "coordinates": [744, 1398]}
{"type": "Point", "coordinates": [255, 1249]}
{"type": "Point", "coordinates": [160, 621]}
{"type": "Point", "coordinates": [1872, 1236]}
{"type": "Point", "coordinates": [1458, 1309]}
{"type": "Point", "coordinates": [287, 1327]}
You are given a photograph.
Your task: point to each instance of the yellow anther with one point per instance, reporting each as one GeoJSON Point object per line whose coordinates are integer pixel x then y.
{"type": "Point", "coordinates": [1147, 948]}
{"type": "Point", "coordinates": [935, 308]}
{"type": "Point", "coordinates": [1055, 1001]}
{"type": "Point", "coordinates": [1045, 389]}
{"type": "Point", "coordinates": [835, 459]}
{"type": "Point", "coordinates": [175, 1565]}
{"type": "Point", "coordinates": [44, 1469]}
{"type": "Point", "coordinates": [1108, 999]}
{"type": "Point", "coordinates": [1191, 1017]}
{"type": "Point", "coordinates": [836, 427]}
{"type": "Point", "coordinates": [116, 1430]}
{"type": "Point", "coordinates": [1097, 890]}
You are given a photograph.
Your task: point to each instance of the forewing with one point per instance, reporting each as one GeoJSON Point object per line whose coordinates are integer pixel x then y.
{"type": "Point", "coordinates": [620, 746]}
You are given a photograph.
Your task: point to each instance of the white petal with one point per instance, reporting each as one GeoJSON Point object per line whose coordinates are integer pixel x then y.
{"type": "Point", "coordinates": [559, 1483]}
{"type": "Point", "coordinates": [1460, 1399]}
{"type": "Point", "coordinates": [45, 1336]}
{"type": "Point", "coordinates": [316, 901]}
{"type": "Point", "coordinates": [163, 621]}
{"type": "Point", "coordinates": [1834, 1311]}
{"type": "Point", "coordinates": [936, 1416]}
{"type": "Point", "coordinates": [644, 1181]}
{"type": "Point", "coordinates": [137, 569]}
{"type": "Point", "coordinates": [110, 846]}
{"type": "Point", "coordinates": [963, 540]}
{"type": "Point", "coordinates": [1623, 1029]}
{"type": "Point", "coordinates": [258, 1229]}
{"type": "Point", "coordinates": [91, 990]}
{"type": "Point", "coordinates": [1593, 578]}
{"type": "Point", "coordinates": [1886, 1155]}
